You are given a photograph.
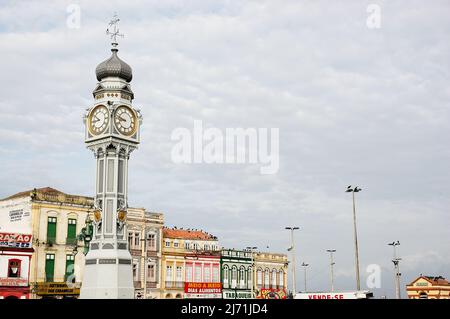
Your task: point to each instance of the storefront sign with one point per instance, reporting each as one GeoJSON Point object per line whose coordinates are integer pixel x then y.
{"type": "Point", "coordinates": [15, 240]}
{"type": "Point", "coordinates": [13, 282]}
{"type": "Point", "coordinates": [229, 294]}
{"type": "Point", "coordinates": [203, 287]}
{"type": "Point", "coordinates": [56, 288]}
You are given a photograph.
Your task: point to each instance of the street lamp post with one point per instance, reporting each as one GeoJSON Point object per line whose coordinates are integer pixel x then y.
{"type": "Point", "coordinates": [396, 262]}
{"type": "Point", "coordinates": [251, 249]}
{"type": "Point", "coordinates": [305, 265]}
{"type": "Point", "coordinates": [331, 251]}
{"type": "Point", "coordinates": [354, 190]}
{"type": "Point", "coordinates": [292, 249]}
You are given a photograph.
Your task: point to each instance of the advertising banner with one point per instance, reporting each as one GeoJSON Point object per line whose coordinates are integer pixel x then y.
{"type": "Point", "coordinates": [272, 294]}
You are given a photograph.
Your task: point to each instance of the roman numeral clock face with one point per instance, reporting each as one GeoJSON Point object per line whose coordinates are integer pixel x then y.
{"type": "Point", "coordinates": [125, 120]}
{"type": "Point", "coordinates": [98, 119]}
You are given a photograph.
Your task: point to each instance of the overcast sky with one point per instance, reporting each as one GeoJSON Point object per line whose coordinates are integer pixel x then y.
{"type": "Point", "coordinates": [353, 104]}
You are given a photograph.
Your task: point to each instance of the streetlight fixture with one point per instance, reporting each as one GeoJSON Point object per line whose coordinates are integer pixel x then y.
{"type": "Point", "coordinates": [305, 265]}
{"type": "Point", "coordinates": [396, 262]}
{"type": "Point", "coordinates": [354, 190]}
{"type": "Point", "coordinates": [292, 249]}
{"type": "Point", "coordinates": [251, 249]}
{"type": "Point", "coordinates": [331, 251]}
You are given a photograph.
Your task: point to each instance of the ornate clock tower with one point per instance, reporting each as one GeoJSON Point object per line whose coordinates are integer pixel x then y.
{"type": "Point", "coordinates": [112, 133]}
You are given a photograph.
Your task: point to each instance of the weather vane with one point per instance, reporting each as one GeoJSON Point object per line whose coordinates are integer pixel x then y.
{"type": "Point", "coordinates": [114, 33]}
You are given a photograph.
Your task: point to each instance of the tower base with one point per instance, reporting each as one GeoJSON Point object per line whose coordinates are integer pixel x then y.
{"type": "Point", "coordinates": [108, 273]}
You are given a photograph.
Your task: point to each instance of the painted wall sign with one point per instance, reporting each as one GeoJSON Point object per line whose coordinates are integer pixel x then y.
{"type": "Point", "coordinates": [15, 216]}
{"type": "Point", "coordinates": [15, 240]}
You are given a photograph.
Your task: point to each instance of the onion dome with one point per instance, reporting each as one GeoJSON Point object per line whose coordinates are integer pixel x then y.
{"type": "Point", "coordinates": [115, 67]}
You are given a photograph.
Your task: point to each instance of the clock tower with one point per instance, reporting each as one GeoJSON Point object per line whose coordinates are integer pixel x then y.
{"type": "Point", "coordinates": [112, 127]}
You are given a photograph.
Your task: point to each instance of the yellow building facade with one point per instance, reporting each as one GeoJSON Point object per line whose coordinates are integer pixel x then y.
{"type": "Point", "coordinates": [54, 219]}
{"type": "Point", "coordinates": [429, 287]}
{"type": "Point", "coordinates": [271, 275]}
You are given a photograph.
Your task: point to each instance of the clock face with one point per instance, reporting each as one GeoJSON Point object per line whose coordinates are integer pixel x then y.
{"type": "Point", "coordinates": [125, 120]}
{"type": "Point", "coordinates": [98, 120]}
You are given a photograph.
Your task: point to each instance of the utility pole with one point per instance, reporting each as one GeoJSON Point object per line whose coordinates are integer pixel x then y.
{"type": "Point", "coordinates": [331, 251]}
{"type": "Point", "coordinates": [292, 249]}
{"type": "Point", "coordinates": [396, 262]}
{"type": "Point", "coordinates": [305, 265]}
{"type": "Point", "coordinates": [353, 191]}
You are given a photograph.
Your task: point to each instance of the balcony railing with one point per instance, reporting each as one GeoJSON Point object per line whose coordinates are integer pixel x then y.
{"type": "Point", "coordinates": [71, 241]}
{"type": "Point", "coordinates": [51, 240]}
{"type": "Point", "coordinates": [174, 284]}
{"type": "Point", "coordinates": [49, 277]}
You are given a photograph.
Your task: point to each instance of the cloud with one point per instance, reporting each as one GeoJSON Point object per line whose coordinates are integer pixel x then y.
{"type": "Point", "coordinates": [353, 105]}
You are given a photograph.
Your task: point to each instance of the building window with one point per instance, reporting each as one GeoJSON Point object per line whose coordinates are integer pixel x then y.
{"type": "Point", "coordinates": [207, 273]}
{"type": "Point", "coordinates": [259, 278]}
{"type": "Point", "coordinates": [233, 277]}
{"type": "Point", "coordinates": [130, 240]}
{"type": "Point", "coordinates": [51, 230]}
{"type": "Point", "coordinates": [196, 246]}
{"type": "Point", "coordinates": [151, 241]}
{"type": "Point", "coordinates": [167, 243]}
{"type": "Point", "coordinates": [137, 240]}
{"type": "Point", "coordinates": [70, 268]}
{"type": "Point", "coordinates": [49, 267]}
{"type": "Point", "coordinates": [151, 272]}
{"type": "Point", "coordinates": [135, 270]}
{"type": "Point", "coordinates": [198, 273]}
{"type": "Point", "coordinates": [216, 273]}
{"type": "Point", "coordinates": [14, 268]}
{"type": "Point", "coordinates": [225, 277]}
{"type": "Point", "coordinates": [168, 273]}
{"type": "Point", "coordinates": [175, 244]}
{"type": "Point", "coordinates": [266, 278]}
{"type": "Point", "coordinates": [274, 278]}
{"type": "Point", "coordinates": [281, 279]}
{"type": "Point", "coordinates": [71, 231]}
{"type": "Point", "coordinates": [242, 277]}
{"type": "Point", "coordinates": [179, 273]}
{"type": "Point", "coordinates": [186, 245]}
{"type": "Point", "coordinates": [188, 273]}
{"type": "Point", "coordinates": [206, 247]}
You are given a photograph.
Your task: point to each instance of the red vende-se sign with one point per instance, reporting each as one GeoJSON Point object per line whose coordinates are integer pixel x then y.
{"type": "Point", "coordinates": [203, 287]}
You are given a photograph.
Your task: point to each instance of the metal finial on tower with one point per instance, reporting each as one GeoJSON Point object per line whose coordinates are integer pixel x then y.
{"type": "Point", "coordinates": [114, 33]}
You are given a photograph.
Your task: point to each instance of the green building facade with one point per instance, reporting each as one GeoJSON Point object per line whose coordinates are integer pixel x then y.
{"type": "Point", "coordinates": [236, 274]}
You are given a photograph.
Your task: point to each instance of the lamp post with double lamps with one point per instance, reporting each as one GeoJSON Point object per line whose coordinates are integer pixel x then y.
{"type": "Point", "coordinates": [396, 262]}
{"type": "Point", "coordinates": [331, 251]}
{"type": "Point", "coordinates": [354, 190]}
{"type": "Point", "coordinates": [292, 249]}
